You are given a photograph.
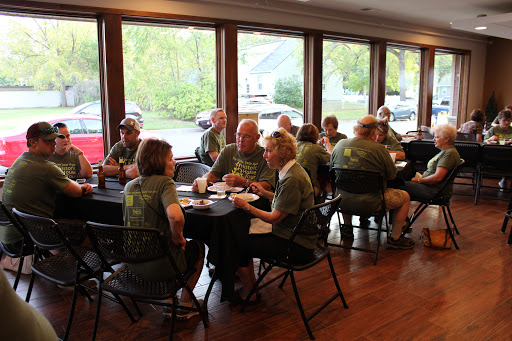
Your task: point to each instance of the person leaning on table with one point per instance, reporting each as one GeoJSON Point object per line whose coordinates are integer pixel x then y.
{"type": "Point", "coordinates": [294, 194]}
{"type": "Point", "coordinates": [438, 168]}
{"type": "Point", "coordinates": [383, 137]}
{"type": "Point", "coordinates": [330, 136]}
{"type": "Point", "coordinates": [151, 200]}
{"type": "Point", "coordinates": [240, 164]}
{"type": "Point", "coordinates": [502, 131]}
{"type": "Point", "coordinates": [129, 129]}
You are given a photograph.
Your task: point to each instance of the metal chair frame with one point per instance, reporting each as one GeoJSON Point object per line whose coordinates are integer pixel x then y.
{"type": "Point", "coordinates": [360, 182]}
{"type": "Point", "coordinates": [471, 153]}
{"type": "Point", "coordinates": [189, 171]}
{"type": "Point", "coordinates": [508, 215]}
{"type": "Point", "coordinates": [495, 163]}
{"type": "Point", "coordinates": [314, 221]}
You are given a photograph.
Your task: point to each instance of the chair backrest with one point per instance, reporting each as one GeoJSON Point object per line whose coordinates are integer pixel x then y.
{"type": "Point", "coordinates": [126, 244]}
{"type": "Point", "coordinates": [189, 171]}
{"type": "Point", "coordinates": [315, 220]}
{"type": "Point", "coordinates": [467, 137]}
{"type": "Point", "coordinates": [42, 231]}
{"type": "Point", "coordinates": [356, 181]}
{"type": "Point", "coordinates": [421, 150]}
{"type": "Point", "coordinates": [450, 179]}
{"type": "Point", "coordinates": [198, 156]}
{"type": "Point", "coordinates": [470, 152]}
{"type": "Point", "coordinates": [497, 156]}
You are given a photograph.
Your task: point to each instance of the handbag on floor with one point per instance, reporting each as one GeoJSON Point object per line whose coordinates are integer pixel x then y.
{"type": "Point", "coordinates": [12, 264]}
{"type": "Point", "coordinates": [437, 239]}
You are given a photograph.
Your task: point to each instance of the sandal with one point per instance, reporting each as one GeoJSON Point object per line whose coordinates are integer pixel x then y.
{"type": "Point", "coordinates": [237, 298]}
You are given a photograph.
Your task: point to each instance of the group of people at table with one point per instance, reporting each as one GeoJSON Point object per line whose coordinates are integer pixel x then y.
{"type": "Point", "coordinates": [151, 199]}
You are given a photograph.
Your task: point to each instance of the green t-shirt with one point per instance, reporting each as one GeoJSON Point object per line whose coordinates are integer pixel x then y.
{"type": "Point", "coordinates": [393, 144]}
{"type": "Point", "coordinates": [294, 194]}
{"type": "Point", "coordinates": [31, 186]}
{"type": "Point", "coordinates": [145, 201]}
{"type": "Point", "coordinates": [249, 166]}
{"type": "Point", "coordinates": [69, 163]}
{"type": "Point", "coordinates": [211, 141]}
{"type": "Point", "coordinates": [502, 134]}
{"type": "Point", "coordinates": [311, 156]}
{"type": "Point", "coordinates": [335, 139]}
{"type": "Point", "coordinates": [360, 154]}
{"type": "Point", "coordinates": [118, 150]}
{"type": "Point", "coordinates": [447, 158]}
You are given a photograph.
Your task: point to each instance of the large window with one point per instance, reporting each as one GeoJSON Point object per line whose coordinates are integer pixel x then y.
{"type": "Point", "coordinates": [446, 88]}
{"type": "Point", "coordinates": [47, 67]}
{"type": "Point", "coordinates": [169, 73]}
{"type": "Point", "coordinates": [345, 82]}
{"type": "Point", "coordinates": [402, 87]}
{"type": "Point", "coordinates": [270, 78]}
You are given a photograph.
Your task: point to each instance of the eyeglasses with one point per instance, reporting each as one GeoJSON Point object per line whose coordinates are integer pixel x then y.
{"type": "Point", "coordinates": [49, 130]}
{"type": "Point", "coordinates": [275, 134]}
{"type": "Point", "coordinates": [243, 136]}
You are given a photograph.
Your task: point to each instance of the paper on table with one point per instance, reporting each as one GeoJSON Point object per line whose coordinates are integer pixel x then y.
{"type": "Point", "coordinates": [184, 188]}
{"type": "Point", "coordinates": [401, 163]}
{"type": "Point", "coordinates": [94, 185]}
{"type": "Point", "coordinates": [215, 196]}
{"type": "Point", "coordinates": [258, 226]}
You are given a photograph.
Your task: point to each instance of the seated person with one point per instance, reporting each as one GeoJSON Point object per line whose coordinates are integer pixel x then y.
{"type": "Point", "coordinates": [151, 200]}
{"type": "Point", "coordinates": [383, 137]}
{"type": "Point", "coordinates": [496, 120]}
{"type": "Point", "coordinates": [213, 140]}
{"type": "Point", "coordinates": [438, 168]}
{"type": "Point", "coordinates": [294, 194]}
{"type": "Point", "coordinates": [311, 155]}
{"type": "Point", "coordinates": [284, 121]}
{"type": "Point", "coordinates": [129, 129]}
{"type": "Point", "coordinates": [330, 136]}
{"type": "Point", "coordinates": [475, 126]}
{"type": "Point", "coordinates": [240, 164]}
{"type": "Point", "coordinates": [383, 113]}
{"type": "Point", "coordinates": [69, 157]}
{"type": "Point", "coordinates": [362, 153]}
{"type": "Point", "coordinates": [32, 183]}
{"type": "Point", "coordinates": [502, 131]}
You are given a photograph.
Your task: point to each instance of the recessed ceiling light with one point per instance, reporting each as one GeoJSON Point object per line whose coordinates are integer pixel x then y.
{"type": "Point", "coordinates": [303, 0]}
{"type": "Point", "coordinates": [366, 9]}
{"type": "Point", "coordinates": [479, 28]}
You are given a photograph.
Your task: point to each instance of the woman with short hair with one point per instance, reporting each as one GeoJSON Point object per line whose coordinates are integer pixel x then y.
{"type": "Point", "coordinates": [475, 126]}
{"type": "Point", "coordinates": [383, 137]}
{"type": "Point", "coordinates": [151, 200]}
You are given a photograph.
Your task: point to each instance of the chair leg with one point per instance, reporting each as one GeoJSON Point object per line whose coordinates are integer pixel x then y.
{"type": "Point", "coordinates": [97, 316]}
{"type": "Point", "coordinates": [31, 284]}
{"type": "Point", "coordinates": [478, 184]}
{"type": "Point", "coordinates": [210, 287]}
{"type": "Point", "coordinates": [449, 228]}
{"type": "Point", "coordinates": [284, 279]}
{"type": "Point", "coordinates": [451, 218]}
{"type": "Point", "coordinates": [173, 317]}
{"type": "Point", "coordinates": [510, 237]}
{"type": "Point", "coordinates": [301, 309]}
{"type": "Point", "coordinates": [139, 312]}
{"type": "Point", "coordinates": [335, 279]}
{"type": "Point", "coordinates": [71, 312]}
{"type": "Point", "coordinates": [503, 228]}
{"type": "Point", "coordinates": [18, 273]}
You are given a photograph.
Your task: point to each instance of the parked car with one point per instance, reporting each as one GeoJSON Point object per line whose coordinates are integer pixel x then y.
{"type": "Point", "coordinates": [94, 108]}
{"type": "Point", "coordinates": [267, 116]}
{"type": "Point", "coordinates": [86, 134]}
{"type": "Point", "coordinates": [402, 110]}
{"type": "Point", "coordinates": [263, 98]}
{"type": "Point", "coordinates": [440, 109]}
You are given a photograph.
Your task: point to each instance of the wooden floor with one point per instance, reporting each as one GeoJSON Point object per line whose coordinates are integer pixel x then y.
{"type": "Point", "coordinates": [422, 293]}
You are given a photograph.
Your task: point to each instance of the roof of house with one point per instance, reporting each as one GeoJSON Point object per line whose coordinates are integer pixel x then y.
{"type": "Point", "coordinates": [276, 57]}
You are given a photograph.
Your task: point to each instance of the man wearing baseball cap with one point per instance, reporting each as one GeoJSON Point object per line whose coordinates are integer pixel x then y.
{"type": "Point", "coordinates": [129, 129]}
{"type": "Point", "coordinates": [32, 182]}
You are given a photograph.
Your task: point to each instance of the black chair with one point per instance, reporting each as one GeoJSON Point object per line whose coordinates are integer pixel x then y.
{"type": "Point", "coordinates": [138, 245]}
{"type": "Point", "coordinates": [425, 134]}
{"type": "Point", "coordinates": [189, 171]}
{"type": "Point", "coordinates": [496, 163]}
{"type": "Point", "coordinates": [442, 200]}
{"type": "Point", "coordinates": [198, 156]}
{"type": "Point", "coordinates": [465, 137]}
{"type": "Point", "coordinates": [420, 152]}
{"type": "Point", "coordinates": [508, 214]}
{"type": "Point", "coordinates": [314, 222]}
{"type": "Point", "coordinates": [27, 247]}
{"type": "Point", "coordinates": [470, 152]}
{"type": "Point", "coordinates": [360, 182]}
{"type": "Point", "coordinates": [70, 267]}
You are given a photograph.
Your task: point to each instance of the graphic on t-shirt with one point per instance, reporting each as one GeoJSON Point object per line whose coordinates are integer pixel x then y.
{"type": "Point", "coordinates": [245, 169]}
{"type": "Point", "coordinates": [69, 169]}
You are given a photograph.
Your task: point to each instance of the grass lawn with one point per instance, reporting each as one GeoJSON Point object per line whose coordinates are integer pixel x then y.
{"type": "Point", "coordinates": [152, 121]}
{"type": "Point", "coordinates": [345, 111]}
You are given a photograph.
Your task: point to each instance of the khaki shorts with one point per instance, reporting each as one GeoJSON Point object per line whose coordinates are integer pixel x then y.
{"type": "Point", "coordinates": [394, 198]}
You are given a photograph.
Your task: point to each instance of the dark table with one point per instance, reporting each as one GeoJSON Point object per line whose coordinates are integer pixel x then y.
{"type": "Point", "coordinates": [222, 227]}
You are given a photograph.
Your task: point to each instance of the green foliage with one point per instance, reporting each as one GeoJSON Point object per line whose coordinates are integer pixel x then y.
{"type": "Point", "coordinates": [491, 110]}
{"type": "Point", "coordinates": [288, 91]}
{"type": "Point", "coordinates": [402, 71]}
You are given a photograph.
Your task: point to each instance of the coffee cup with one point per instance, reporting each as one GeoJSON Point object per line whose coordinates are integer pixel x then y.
{"type": "Point", "coordinates": [201, 185]}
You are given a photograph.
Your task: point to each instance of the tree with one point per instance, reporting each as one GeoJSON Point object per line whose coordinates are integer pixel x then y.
{"type": "Point", "coordinates": [402, 71]}
{"type": "Point", "coordinates": [50, 54]}
{"type": "Point", "coordinates": [288, 91]}
{"type": "Point", "coordinates": [491, 110]}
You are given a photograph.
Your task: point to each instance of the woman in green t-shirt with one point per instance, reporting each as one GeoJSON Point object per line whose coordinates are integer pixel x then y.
{"type": "Point", "coordinates": [293, 195]}
{"type": "Point", "coordinates": [383, 137]}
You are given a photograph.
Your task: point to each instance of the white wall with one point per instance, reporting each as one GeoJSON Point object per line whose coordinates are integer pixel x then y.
{"type": "Point", "coordinates": [14, 99]}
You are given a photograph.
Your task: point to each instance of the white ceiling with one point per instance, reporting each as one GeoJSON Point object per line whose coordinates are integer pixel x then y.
{"type": "Point", "coordinates": [432, 13]}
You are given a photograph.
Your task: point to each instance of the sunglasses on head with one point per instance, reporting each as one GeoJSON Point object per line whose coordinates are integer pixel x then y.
{"type": "Point", "coordinates": [275, 134]}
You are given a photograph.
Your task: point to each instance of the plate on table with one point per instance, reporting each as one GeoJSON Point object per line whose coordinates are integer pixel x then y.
{"type": "Point", "coordinates": [186, 202]}
{"type": "Point", "coordinates": [202, 204]}
{"type": "Point", "coordinates": [249, 197]}
{"type": "Point", "coordinates": [213, 188]}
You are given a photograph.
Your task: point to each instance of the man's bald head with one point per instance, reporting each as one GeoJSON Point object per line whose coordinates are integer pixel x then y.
{"type": "Point", "coordinates": [383, 112]}
{"type": "Point", "coordinates": [284, 121]}
{"type": "Point", "coordinates": [366, 127]}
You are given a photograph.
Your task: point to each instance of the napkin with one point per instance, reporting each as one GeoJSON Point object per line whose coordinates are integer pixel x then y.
{"type": "Point", "coordinates": [184, 188]}
{"type": "Point", "coordinates": [258, 226]}
{"type": "Point", "coordinates": [215, 196]}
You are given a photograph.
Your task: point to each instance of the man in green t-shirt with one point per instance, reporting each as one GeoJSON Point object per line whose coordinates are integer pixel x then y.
{"type": "Point", "coordinates": [361, 153]}
{"type": "Point", "coordinates": [240, 164]}
{"type": "Point", "coordinates": [129, 129]}
{"type": "Point", "coordinates": [69, 157]}
{"type": "Point", "coordinates": [213, 140]}
{"type": "Point", "coordinates": [32, 182]}
{"type": "Point", "coordinates": [284, 121]}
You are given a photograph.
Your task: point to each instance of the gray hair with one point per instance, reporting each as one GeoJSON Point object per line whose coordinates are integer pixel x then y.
{"type": "Point", "coordinates": [446, 131]}
{"type": "Point", "coordinates": [248, 121]}
{"type": "Point", "coordinates": [214, 112]}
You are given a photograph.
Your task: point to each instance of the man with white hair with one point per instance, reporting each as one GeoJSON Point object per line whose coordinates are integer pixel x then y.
{"type": "Point", "coordinates": [240, 164]}
{"type": "Point", "coordinates": [361, 153]}
{"type": "Point", "coordinates": [213, 140]}
{"type": "Point", "coordinates": [384, 114]}
{"type": "Point", "coordinates": [284, 121]}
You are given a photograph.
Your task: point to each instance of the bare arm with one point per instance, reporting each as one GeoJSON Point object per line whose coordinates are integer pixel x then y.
{"type": "Point", "coordinates": [131, 171]}
{"type": "Point", "coordinates": [85, 166]}
{"type": "Point", "coordinates": [75, 190]}
{"type": "Point", "coordinates": [438, 176]}
{"type": "Point", "coordinates": [213, 155]}
{"type": "Point", "coordinates": [273, 217]}
{"type": "Point", "coordinates": [258, 189]}
{"type": "Point", "coordinates": [110, 169]}
{"type": "Point", "coordinates": [176, 223]}
{"type": "Point", "coordinates": [479, 137]}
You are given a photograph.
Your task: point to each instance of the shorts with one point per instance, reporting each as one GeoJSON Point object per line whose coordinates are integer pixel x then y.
{"type": "Point", "coordinates": [394, 198]}
{"type": "Point", "coordinates": [192, 253]}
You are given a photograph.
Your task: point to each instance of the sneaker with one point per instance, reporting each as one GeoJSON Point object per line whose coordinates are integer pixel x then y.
{"type": "Point", "coordinates": [407, 227]}
{"type": "Point", "coordinates": [402, 243]}
{"type": "Point", "coordinates": [183, 313]}
{"type": "Point", "coordinates": [502, 183]}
